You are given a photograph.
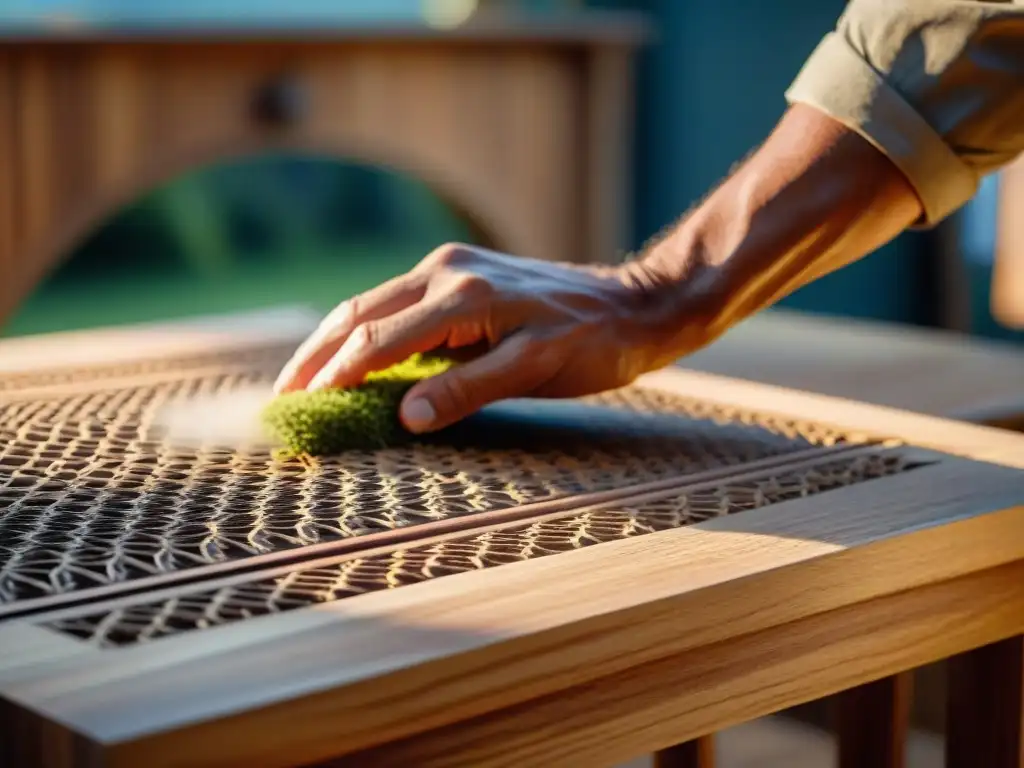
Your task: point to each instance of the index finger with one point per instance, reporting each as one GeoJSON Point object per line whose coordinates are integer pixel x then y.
{"type": "Point", "coordinates": [392, 296]}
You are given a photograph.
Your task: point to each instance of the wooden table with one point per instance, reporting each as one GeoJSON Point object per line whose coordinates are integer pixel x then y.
{"type": "Point", "coordinates": [861, 542]}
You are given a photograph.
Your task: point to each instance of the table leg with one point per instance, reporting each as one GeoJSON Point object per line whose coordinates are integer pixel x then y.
{"type": "Point", "coordinates": [699, 753]}
{"type": "Point", "coordinates": [871, 723]}
{"type": "Point", "coordinates": [985, 707]}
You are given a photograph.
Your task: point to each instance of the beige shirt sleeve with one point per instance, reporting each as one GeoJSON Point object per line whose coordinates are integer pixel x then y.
{"type": "Point", "coordinates": [938, 85]}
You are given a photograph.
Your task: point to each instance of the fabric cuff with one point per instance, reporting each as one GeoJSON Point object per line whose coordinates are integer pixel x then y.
{"type": "Point", "coordinates": [839, 82]}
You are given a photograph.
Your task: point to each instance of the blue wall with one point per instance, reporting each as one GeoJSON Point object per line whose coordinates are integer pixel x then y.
{"type": "Point", "coordinates": [711, 88]}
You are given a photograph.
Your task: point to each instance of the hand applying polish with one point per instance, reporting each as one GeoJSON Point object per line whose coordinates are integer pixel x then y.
{"type": "Point", "coordinates": [544, 330]}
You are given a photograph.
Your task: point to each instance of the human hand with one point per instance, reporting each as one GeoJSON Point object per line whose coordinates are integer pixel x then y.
{"type": "Point", "coordinates": [542, 329]}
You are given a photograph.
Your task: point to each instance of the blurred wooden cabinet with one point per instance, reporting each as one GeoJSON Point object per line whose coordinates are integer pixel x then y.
{"type": "Point", "coordinates": [520, 123]}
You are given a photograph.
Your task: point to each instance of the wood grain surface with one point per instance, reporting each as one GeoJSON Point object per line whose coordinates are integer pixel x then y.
{"type": "Point", "coordinates": [140, 342]}
{"type": "Point", "coordinates": [922, 370]}
{"type": "Point", "coordinates": [942, 434]}
{"type": "Point", "coordinates": [621, 716]}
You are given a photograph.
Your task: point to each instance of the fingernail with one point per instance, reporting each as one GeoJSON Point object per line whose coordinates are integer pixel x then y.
{"type": "Point", "coordinates": [321, 381]}
{"type": "Point", "coordinates": [353, 345]}
{"type": "Point", "coordinates": [287, 373]}
{"type": "Point", "coordinates": [418, 414]}
{"type": "Point", "coordinates": [340, 314]}
{"type": "Point", "coordinates": [330, 323]}
{"type": "Point", "coordinates": [342, 360]}
{"type": "Point", "coordinates": [282, 379]}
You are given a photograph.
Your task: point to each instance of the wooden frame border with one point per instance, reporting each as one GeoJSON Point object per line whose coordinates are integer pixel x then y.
{"type": "Point", "coordinates": [655, 706]}
{"type": "Point", "coordinates": [911, 368]}
{"type": "Point", "coordinates": [956, 438]}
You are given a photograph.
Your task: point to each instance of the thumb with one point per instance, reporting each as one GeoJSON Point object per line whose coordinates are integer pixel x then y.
{"type": "Point", "coordinates": [514, 368]}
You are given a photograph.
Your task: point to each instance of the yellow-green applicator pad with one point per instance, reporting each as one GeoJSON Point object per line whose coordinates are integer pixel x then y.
{"type": "Point", "coordinates": [331, 421]}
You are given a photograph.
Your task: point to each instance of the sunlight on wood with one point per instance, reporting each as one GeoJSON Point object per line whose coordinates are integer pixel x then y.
{"type": "Point", "coordinates": [285, 324]}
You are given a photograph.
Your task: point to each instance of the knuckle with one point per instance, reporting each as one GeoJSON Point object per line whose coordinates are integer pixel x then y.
{"type": "Point", "coordinates": [351, 307]}
{"type": "Point", "coordinates": [366, 336]}
{"type": "Point", "coordinates": [473, 286]}
{"type": "Point", "coordinates": [447, 255]}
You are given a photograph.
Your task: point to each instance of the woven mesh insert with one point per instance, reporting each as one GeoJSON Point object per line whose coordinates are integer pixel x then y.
{"type": "Point", "coordinates": [87, 500]}
{"type": "Point", "coordinates": [302, 588]}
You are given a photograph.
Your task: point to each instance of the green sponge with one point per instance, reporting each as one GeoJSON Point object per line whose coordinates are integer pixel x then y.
{"type": "Point", "coordinates": [331, 421]}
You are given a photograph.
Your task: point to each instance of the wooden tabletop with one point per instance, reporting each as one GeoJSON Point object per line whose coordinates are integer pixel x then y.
{"type": "Point", "coordinates": [142, 341]}
{"type": "Point", "coordinates": [927, 371]}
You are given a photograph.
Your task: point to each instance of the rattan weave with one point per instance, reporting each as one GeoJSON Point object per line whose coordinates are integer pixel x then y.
{"type": "Point", "coordinates": [300, 588]}
{"type": "Point", "coordinates": [88, 498]}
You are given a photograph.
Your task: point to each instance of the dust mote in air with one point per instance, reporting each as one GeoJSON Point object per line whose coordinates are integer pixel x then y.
{"type": "Point", "coordinates": [228, 420]}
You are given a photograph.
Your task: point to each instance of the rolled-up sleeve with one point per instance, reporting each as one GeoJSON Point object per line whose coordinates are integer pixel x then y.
{"type": "Point", "coordinates": [937, 85]}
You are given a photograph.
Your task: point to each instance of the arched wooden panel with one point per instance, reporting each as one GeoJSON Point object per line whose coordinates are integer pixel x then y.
{"type": "Point", "coordinates": [522, 137]}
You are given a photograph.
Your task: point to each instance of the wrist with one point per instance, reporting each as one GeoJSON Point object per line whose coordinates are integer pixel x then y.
{"type": "Point", "coordinates": [815, 197]}
{"type": "Point", "coordinates": [677, 294]}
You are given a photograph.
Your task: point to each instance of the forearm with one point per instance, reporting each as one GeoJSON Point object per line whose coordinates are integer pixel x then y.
{"type": "Point", "coordinates": [813, 198]}
{"type": "Point", "coordinates": [896, 116]}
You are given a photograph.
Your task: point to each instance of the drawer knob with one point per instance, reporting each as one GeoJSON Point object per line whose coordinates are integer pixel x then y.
{"type": "Point", "coordinates": [281, 102]}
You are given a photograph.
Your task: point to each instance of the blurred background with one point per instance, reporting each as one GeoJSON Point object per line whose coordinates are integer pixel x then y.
{"type": "Point", "coordinates": [245, 235]}
{"type": "Point", "coordinates": [285, 228]}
